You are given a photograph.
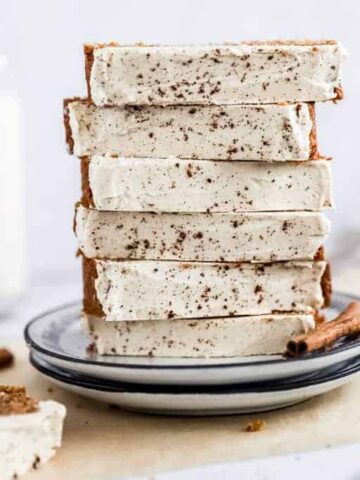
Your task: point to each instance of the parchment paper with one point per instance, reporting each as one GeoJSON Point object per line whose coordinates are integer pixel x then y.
{"type": "Point", "coordinates": [100, 442]}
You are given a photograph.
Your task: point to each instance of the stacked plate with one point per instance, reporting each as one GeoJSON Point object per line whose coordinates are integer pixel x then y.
{"type": "Point", "coordinates": [180, 386]}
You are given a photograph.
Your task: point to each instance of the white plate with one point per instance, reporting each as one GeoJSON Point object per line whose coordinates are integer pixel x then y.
{"type": "Point", "coordinates": [187, 400]}
{"type": "Point", "coordinates": [57, 337]}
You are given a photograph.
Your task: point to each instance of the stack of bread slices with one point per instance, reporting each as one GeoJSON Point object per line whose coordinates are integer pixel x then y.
{"type": "Point", "coordinates": [200, 224]}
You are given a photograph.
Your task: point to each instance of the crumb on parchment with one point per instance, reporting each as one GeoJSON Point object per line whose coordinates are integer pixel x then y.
{"type": "Point", "coordinates": [255, 426]}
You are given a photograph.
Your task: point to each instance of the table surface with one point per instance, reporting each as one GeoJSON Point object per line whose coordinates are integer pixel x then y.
{"type": "Point", "coordinates": [119, 444]}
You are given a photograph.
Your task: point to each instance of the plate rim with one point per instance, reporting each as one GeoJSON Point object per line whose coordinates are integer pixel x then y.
{"type": "Point", "coordinates": [350, 367]}
{"type": "Point", "coordinates": [275, 361]}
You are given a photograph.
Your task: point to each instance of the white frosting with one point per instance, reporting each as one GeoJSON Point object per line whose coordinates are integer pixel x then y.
{"type": "Point", "coordinates": [259, 237]}
{"type": "Point", "coordinates": [157, 290]}
{"type": "Point", "coordinates": [234, 132]}
{"type": "Point", "coordinates": [215, 74]}
{"type": "Point", "coordinates": [163, 185]}
{"type": "Point", "coordinates": [30, 439]}
{"type": "Point", "coordinates": [216, 337]}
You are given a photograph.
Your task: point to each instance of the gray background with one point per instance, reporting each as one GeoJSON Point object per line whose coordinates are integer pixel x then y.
{"type": "Point", "coordinates": [44, 38]}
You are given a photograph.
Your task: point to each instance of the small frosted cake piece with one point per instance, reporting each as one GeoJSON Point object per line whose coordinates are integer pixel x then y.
{"type": "Point", "coordinates": [228, 132]}
{"type": "Point", "coordinates": [249, 72]}
{"type": "Point", "coordinates": [160, 290]}
{"type": "Point", "coordinates": [206, 237]}
{"type": "Point", "coordinates": [30, 431]}
{"type": "Point", "coordinates": [213, 337]}
{"type": "Point", "coordinates": [173, 185]}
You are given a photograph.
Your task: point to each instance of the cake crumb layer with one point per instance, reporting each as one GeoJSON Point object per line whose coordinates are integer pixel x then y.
{"type": "Point", "coordinates": [15, 400]}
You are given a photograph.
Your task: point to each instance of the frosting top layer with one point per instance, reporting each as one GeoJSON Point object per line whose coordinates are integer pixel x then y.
{"type": "Point", "coordinates": [247, 73]}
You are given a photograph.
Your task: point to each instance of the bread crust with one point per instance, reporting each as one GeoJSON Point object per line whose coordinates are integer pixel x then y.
{"type": "Point", "coordinates": [91, 304]}
{"type": "Point", "coordinates": [68, 133]}
{"type": "Point", "coordinates": [314, 151]}
{"type": "Point", "coordinates": [89, 60]}
{"type": "Point", "coordinates": [86, 197]}
{"type": "Point", "coordinates": [320, 254]}
{"type": "Point", "coordinates": [90, 47]}
{"type": "Point", "coordinates": [326, 285]}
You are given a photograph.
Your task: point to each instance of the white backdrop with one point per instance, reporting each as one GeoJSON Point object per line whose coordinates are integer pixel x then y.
{"type": "Point", "coordinates": [43, 39]}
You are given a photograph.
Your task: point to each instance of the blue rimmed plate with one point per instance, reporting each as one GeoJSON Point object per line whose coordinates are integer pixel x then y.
{"type": "Point", "coordinates": [57, 338]}
{"type": "Point", "coordinates": [200, 400]}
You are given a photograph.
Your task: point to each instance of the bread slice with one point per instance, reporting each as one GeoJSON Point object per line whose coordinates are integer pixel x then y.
{"type": "Point", "coordinates": [243, 73]}
{"type": "Point", "coordinates": [205, 237]}
{"type": "Point", "coordinates": [160, 290]}
{"type": "Point", "coordinates": [229, 132]}
{"type": "Point", "coordinates": [184, 186]}
{"type": "Point", "coordinates": [215, 337]}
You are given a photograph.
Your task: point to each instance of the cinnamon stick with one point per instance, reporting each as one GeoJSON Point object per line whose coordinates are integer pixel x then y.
{"type": "Point", "coordinates": [324, 335]}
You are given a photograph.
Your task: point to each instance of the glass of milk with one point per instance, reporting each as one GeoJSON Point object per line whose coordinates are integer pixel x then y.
{"type": "Point", "coordinates": [12, 215]}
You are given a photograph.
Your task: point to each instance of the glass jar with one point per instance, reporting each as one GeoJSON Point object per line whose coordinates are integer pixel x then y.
{"type": "Point", "coordinates": [12, 215]}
